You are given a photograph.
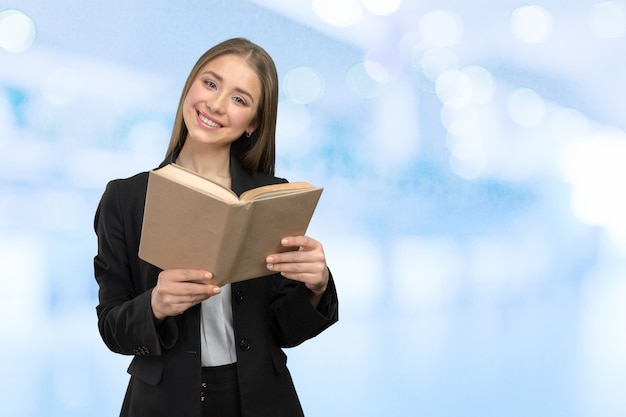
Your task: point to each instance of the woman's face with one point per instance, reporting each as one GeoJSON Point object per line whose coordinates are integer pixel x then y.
{"type": "Point", "coordinates": [222, 102]}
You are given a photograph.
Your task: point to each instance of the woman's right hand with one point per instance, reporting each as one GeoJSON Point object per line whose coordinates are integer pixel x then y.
{"type": "Point", "coordinates": [179, 289]}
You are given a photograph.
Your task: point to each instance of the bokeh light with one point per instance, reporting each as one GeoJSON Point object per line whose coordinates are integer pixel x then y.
{"type": "Point", "coordinates": [441, 28]}
{"type": "Point", "coordinates": [362, 83]}
{"type": "Point", "coordinates": [468, 168]}
{"type": "Point", "coordinates": [467, 146]}
{"type": "Point", "coordinates": [459, 121]}
{"type": "Point", "coordinates": [362, 267]}
{"type": "Point", "coordinates": [483, 84]}
{"type": "Point", "coordinates": [526, 107]}
{"type": "Point", "coordinates": [339, 13]}
{"type": "Point", "coordinates": [454, 88]}
{"type": "Point", "coordinates": [381, 7]}
{"type": "Point", "coordinates": [383, 65]}
{"type": "Point", "coordinates": [595, 168]}
{"type": "Point", "coordinates": [436, 61]}
{"type": "Point", "coordinates": [17, 31]}
{"type": "Point", "coordinates": [531, 24]}
{"type": "Point", "coordinates": [303, 85]}
{"type": "Point", "coordinates": [22, 255]}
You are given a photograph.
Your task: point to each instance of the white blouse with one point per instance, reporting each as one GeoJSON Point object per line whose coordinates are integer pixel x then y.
{"type": "Point", "coordinates": [216, 330]}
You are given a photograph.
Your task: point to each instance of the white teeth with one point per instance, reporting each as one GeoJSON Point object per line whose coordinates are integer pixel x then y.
{"type": "Point", "coordinates": [207, 121]}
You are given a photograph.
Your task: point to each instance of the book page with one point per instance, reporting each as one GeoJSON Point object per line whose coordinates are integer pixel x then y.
{"type": "Point", "coordinates": [271, 220]}
{"type": "Point", "coordinates": [197, 182]}
{"type": "Point", "coordinates": [275, 190]}
{"type": "Point", "coordinates": [183, 228]}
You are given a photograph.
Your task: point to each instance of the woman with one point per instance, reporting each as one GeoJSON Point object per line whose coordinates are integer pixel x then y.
{"type": "Point", "coordinates": [202, 350]}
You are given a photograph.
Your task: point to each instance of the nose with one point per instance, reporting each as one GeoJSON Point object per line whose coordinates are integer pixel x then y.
{"type": "Point", "coordinates": [217, 103]}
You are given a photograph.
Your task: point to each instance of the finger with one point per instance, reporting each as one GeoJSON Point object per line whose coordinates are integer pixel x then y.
{"type": "Point", "coordinates": [171, 298]}
{"type": "Point", "coordinates": [186, 275]}
{"type": "Point", "coordinates": [201, 289]}
{"type": "Point", "coordinates": [304, 242]}
{"type": "Point", "coordinates": [196, 276]}
{"type": "Point", "coordinates": [189, 299]}
{"type": "Point", "coordinates": [308, 268]}
{"type": "Point", "coordinates": [313, 256]}
{"type": "Point", "coordinates": [186, 288]}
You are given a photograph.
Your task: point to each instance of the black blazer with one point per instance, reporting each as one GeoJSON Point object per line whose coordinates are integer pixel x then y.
{"type": "Point", "coordinates": [269, 313]}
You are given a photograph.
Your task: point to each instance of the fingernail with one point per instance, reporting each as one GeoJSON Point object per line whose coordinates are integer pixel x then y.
{"type": "Point", "coordinates": [270, 266]}
{"type": "Point", "coordinates": [284, 241]}
{"type": "Point", "coordinates": [269, 259]}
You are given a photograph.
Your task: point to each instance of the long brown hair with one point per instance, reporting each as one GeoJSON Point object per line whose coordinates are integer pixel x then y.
{"type": "Point", "coordinates": [256, 153]}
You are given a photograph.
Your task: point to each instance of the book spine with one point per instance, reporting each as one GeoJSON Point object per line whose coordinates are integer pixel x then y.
{"type": "Point", "coordinates": [236, 223]}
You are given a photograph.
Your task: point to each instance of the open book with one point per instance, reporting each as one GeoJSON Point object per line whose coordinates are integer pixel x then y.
{"type": "Point", "coordinates": [192, 222]}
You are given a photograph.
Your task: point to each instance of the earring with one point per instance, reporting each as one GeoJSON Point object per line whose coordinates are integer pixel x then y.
{"type": "Point", "coordinates": [248, 134]}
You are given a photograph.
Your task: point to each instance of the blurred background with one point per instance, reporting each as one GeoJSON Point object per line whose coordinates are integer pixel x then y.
{"type": "Point", "coordinates": [473, 158]}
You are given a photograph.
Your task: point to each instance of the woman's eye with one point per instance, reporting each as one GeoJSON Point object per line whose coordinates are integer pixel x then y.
{"type": "Point", "coordinates": [239, 100]}
{"type": "Point", "coordinates": [210, 84]}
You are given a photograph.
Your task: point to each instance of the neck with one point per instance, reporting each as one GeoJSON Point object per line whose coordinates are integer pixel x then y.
{"type": "Point", "coordinates": [210, 163]}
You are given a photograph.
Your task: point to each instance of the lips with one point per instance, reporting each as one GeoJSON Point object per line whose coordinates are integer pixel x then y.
{"type": "Point", "coordinates": [209, 122]}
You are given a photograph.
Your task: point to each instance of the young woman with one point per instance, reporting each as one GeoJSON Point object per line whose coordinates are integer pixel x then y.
{"type": "Point", "coordinates": [202, 350]}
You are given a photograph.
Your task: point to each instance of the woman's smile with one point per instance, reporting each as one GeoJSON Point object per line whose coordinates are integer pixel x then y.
{"type": "Point", "coordinates": [208, 121]}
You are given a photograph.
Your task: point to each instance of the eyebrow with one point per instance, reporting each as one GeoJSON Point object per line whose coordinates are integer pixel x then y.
{"type": "Point", "coordinates": [221, 79]}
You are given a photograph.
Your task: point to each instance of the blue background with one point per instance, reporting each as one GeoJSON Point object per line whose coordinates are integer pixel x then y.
{"type": "Point", "coordinates": [472, 155]}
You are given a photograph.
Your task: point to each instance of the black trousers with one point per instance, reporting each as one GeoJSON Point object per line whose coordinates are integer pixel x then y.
{"type": "Point", "coordinates": [220, 391]}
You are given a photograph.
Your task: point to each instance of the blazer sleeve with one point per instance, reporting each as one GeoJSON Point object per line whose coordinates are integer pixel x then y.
{"type": "Point", "coordinates": [124, 311]}
{"type": "Point", "coordinates": [295, 320]}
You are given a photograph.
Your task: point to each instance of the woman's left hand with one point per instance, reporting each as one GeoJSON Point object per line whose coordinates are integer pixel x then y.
{"type": "Point", "coordinates": [307, 264]}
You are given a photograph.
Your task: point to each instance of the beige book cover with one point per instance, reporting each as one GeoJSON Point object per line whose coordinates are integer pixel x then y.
{"type": "Point", "coordinates": [192, 222]}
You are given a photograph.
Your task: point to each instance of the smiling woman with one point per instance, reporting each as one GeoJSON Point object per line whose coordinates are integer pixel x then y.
{"type": "Point", "coordinates": [201, 349]}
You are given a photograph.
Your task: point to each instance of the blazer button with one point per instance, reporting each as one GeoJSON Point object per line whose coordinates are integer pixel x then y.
{"type": "Point", "coordinates": [244, 345]}
{"type": "Point", "coordinates": [239, 296]}
{"type": "Point", "coordinates": [142, 350]}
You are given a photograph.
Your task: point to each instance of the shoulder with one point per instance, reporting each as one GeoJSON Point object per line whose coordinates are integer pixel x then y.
{"type": "Point", "coordinates": [261, 179]}
{"type": "Point", "coordinates": [124, 194]}
{"type": "Point", "coordinates": [127, 187]}
{"type": "Point", "coordinates": [137, 180]}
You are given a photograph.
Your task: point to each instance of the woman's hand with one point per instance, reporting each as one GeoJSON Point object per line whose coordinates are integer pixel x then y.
{"type": "Point", "coordinates": [307, 265]}
{"type": "Point", "coordinates": [179, 289]}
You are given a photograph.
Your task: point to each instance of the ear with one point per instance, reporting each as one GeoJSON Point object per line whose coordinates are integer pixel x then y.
{"type": "Point", "coordinates": [251, 128]}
